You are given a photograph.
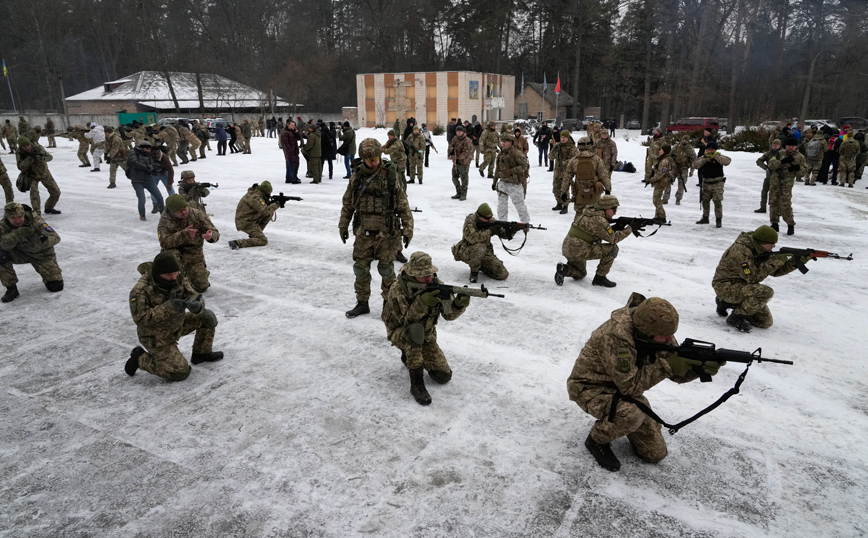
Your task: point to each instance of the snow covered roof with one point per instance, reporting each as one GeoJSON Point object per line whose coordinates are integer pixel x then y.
{"type": "Point", "coordinates": [151, 88]}
{"type": "Point", "coordinates": [565, 99]}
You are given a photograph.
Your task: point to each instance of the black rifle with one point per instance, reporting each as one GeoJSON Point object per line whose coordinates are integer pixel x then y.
{"type": "Point", "coordinates": [447, 290]}
{"type": "Point", "coordinates": [281, 199]}
{"type": "Point", "coordinates": [699, 351]}
{"type": "Point", "coordinates": [799, 253]}
{"type": "Point", "coordinates": [415, 210]}
{"type": "Point", "coordinates": [637, 223]}
{"type": "Point", "coordinates": [210, 186]}
{"type": "Point", "coordinates": [507, 230]}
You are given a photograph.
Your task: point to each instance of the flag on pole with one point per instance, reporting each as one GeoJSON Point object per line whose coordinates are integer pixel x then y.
{"type": "Point", "coordinates": [545, 85]}
{"type": "Point", "coordinates": [5, 71]}
{"type": "Point", "coordinates": [558, 85]}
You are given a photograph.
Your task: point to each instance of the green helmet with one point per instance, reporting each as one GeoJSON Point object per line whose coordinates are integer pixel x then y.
{"type": "Point", "coordinates": [370, 148]}
{"type": "Point", "coordinates": [608, 201]}
{"type": "Point", "coordinates": [655, 317]}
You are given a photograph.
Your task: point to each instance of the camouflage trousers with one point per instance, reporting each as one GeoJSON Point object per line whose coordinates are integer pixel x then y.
{"type": "Point", "coordinates": [764, 194]}
{"type": "Point", "coordinates": [515, 192]}
{"type": "Point", "coordinates": [813, 173]}
{"type": "Point", "coordinates": [428, 355]}
{"type": "Point", "coordinates": [52, 143]}
{"type": "Point", "coordinates": [860, 168]}
{"type": "Point", "coordinates": [53, 194]}
{"type": "Point", "coordinates": [679, 193]}
{"type": "Point", "coordinates": [113, 170]}
{"type": "Point", "coordinates": [578, 252]}
{"type": "Point", "coordinates": [657, 198]}
{"type": "Point", "coordinates": [642, 431]}
{"type": "Point", "coordinates": [416, 167]}
{"type": "Point", "coordinates": [480, 257]}
{"type": "Point", "coordinates": [82, 153]}
{"type": "Point", "coordinates": [489, 157]}
{"type": "Point", "coordinates": [202, 149]}
{"type": "Point", "coordinates": [194, 267]}
{"type": "Point", "coordinates": [7, 187]}
{"type": "Point", "coordinates": [166, 361]}
{"type": "Point", "coordinates": [712, 191]}
{"type": "Point", "coordinates": [781, 201]}
{"type": "Point", "coordinates": [192, 146]}
{"type": "Point", "coordinates": [557, 185]}
{"type": "Point", "coordinates": [366, 248]}
{"type": "Point", "coordinates": [847, 172]}
{"type": "Point", "coordinates": [13, 143]}
{"type": "Point", "coordinates": [255, 231]}
{"type": "Point", "coordinates": [173, 152]}
{"type": "Point", "coordinates": [182, 150]}
{"type": "Point", "coordinates": [459, 179]}
{"type": "Point", "coordinates": [751, 300]}
{"type": "Point", "coordinates": [45, 265]}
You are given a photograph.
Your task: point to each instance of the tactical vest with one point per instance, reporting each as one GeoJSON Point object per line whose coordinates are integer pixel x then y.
{"type": "Point", "coordinates": [577, 231]}
{"type": "Point", "coordinates": [375, 200]}
{"type": "Point", "coordinates": [849, 149]}
{"type": "Point", "coordinates": [588, 189]}
{"type": "Point", "coordinates": [712, 170]}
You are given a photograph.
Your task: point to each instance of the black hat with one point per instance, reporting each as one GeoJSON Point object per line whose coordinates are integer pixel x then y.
{"type": "Point", "coordinates": [712, 144]}
{"type": "Point", "coordinates": [791, 141]}
{"type": "Point", "coordinates": [459, 127]}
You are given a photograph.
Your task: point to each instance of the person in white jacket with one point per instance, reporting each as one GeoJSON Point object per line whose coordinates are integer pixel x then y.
{"type": "Point", "coordinates": [97, 136]}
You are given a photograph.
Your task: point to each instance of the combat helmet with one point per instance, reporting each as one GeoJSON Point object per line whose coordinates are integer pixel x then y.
{"type": "Point", "coordinates": [607, 201]}
{"type": "Point", "coordinates": [370, 149]}
{"type": "Point", "coordinates": [655, 317]}
{"type": "Point", "coordinates": [584, 142]}
{"type": "Point", "coordinates": [508, 137]}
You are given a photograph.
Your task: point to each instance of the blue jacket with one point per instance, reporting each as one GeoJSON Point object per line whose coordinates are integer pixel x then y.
{"type": "Point", "coordinates": [221, 134]}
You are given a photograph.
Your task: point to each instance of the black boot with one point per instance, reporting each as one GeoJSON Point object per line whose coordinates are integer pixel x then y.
{"type": "Point", "coordinates": [791, 229]}
{"type": "Point", "coordinates": [603, 281]}
{"type": "Point", "coordinates": [474, 276]}
{"type": "Point", "coordinates": [603, 454]}
{"type": "Point", "coordinates": [775, 226]}
{"type": "Point", "coordinates": [703, 220]}
{"type": "Point", "coordinates": [54, 286]}
{"type": "Point", "coordinates": [154, 210]}
{"type": "Point", "coordinates": [760, 210]}
{"type": "Point", "coordinates": [404, 357]}
{"type": "Point", "coordinates": [417, 386]}
{"type": "Point", "coordinates": [564, 209]}
{"type": "Point", "coordinates": [718, 222]}
{"type": "Point", "coordinates": [559, 274]}
{"type": "Point", "coordinates": [723, 307]}
{"type": "Point", "coordinates": [457, 195]}
{"type": "Point", "coordinates": [133, 362]}
{"type": "Point", "coordinates": [557, 207]}
{"type": "Point", "coordinates": [214, 356]}
{"type": "Point", "coordinates": [52, 211]}
{"type": "Point", "coordinates": [233, 245]}
{"type": "Point", "coordinates": [739, 322]}
{"type": "Point", "coordinates": [440, 376]}
{"type": "Point", "coordinates": [360, 308]}
{"type": "Point", "coordinates": [399, 257]}
{"type": "Point", "coordinates": [11, 294]}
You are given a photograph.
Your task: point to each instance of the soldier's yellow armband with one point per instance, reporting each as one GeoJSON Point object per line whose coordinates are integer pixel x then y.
{"type": "Point", "coordinates": [623, 359]}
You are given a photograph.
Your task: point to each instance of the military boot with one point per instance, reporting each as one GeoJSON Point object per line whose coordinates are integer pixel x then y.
{"type": "Point", "coordinates": [214, 356]}
{"type": "Point", "coordinates": [739, 322]}
{"type": "Point", "coordinates": [775, 226]}
{"type": "Point", "coordinates": [557, 207]}
{"type": "Point", "coordinates": [760, 210]}
{"type": "Point", "coordinates": [417, 386]}
{"type": "Point", "coordinates": [133, 362]}
{"type": "Point", "coordinates": [559, 274]}
{"type": "Point", "coordinates": [564, 209]}
{"type": "Point", "coordinates": [600, 280]}
{"type": "Point", "coordinates": [474, 276]}
{"type": "Point", "coordinates": [360, 308]}
{"type": "Point", "coordinates": [52, 211]}
{"type": "Point", "coordinates": [154, 210]}
{"type": "Point", "coordinates": [718, 222]}
{"type": "Point", "coordinates": [457, 195]}
{"type": "Point", "coordinates": [703, 220]}
{"type": "Point", "coordinates": [11, 294]}
{"type": "Point", "coordinates": [399, 257]}
{"type": "Point", "coordinates": [791, 229]}
{"type": "Point", "coordinates": [440, 376]}
{"type": "Point", "coordinates": [111, 186]}
{"type": "Point", "coordinates": [722, 307]}
{"type": "Point", "coordinates": [603, 454]}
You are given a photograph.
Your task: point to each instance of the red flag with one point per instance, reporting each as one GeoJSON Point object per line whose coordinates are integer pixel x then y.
{"type": "Point", "coordinates": [558, 85]}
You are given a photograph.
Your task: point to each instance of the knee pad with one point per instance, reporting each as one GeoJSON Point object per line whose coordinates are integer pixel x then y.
{"type": "Point", "coordinates": [386, 270]}
{"type": "Point", "coordinates": [54, 285]}
{"type": "Point", "coordinates": [361, 271]}
{"type": "Point", "coordinates": [180, 376]}
{"type": "Point", "coordinates": [614, 252]}
{"type": "Point", "coordinates": [416, 334]}
{"type": "Point", "coordinates": [440, 377]}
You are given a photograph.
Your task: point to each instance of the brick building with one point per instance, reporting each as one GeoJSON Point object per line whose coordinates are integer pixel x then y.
{"type": "Point", "coordinates": [434, 98]}
{"type": "Point", "coordinates": [533, 96]}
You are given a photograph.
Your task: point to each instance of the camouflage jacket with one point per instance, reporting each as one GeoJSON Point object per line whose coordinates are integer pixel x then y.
{"type": "Point", "coordinates": [417, 142]}
{"type": "Point", "coordinates": [684, 154]}
{"type": "Point", "coordinates": [608, 151]}
{"type": "Point", "coordinates": [472, 235]}
{"type": "Point", "coordinates": [158, 323]}
{"type": "Point", "coordinates": [193, 193]}
{"type": "Point", "coordinates": [562, 153]}
{"type": "Point", "coordinates": [521, 144]}
{"type": "Point", "coordinates": [116, 151]}
{"type": "Point", "coordinates": [784, 172]}
{"type": "Point", "coordinates": [592, 226]}
{"type": "Point", "coordinates": [715, 166]}
{"type": "Point", "coordinates": [404, 307]}
{"type": "Point", "coordinates": [610, 361]}
{"type": "Point", "coordinates": [375, 201]}
{"type": "Point", "coordinates": [575, 170]}
{"type": "Point", "coordinates": [490, 141]}
{"type": "Point", "coordinates": [2, 166]}
{"type": "Point", "coordinates": [763, 161]}
{"type": "Point", "coordinates": [170, 135]}
{"type": "Point", "coordinates": [9, 130]}
{"type": "Point", "coordinates": [172, 233]}
{"type": "Point", "coordinates": [78, 134]}
{"type": "Point", "coordinates": [395, 150]}
{"type": "Point", "coordinates": [35, 162]}
{"type": "Point", "coordinates": [49, 127]}
{"type": "Point", "coordinates": [254, 208]}
{"type": "Point", "coordinates": [183, 132]}
{"type": "Point", "coordinates": [849, 150]}
{"type": "Point", "coordinates": [461, 149]}
{"type": "Point", "coordinates": [819, 146]}
{"type": "Point", "coordinates": [511, 166]}
{"type": "Point", "coordinates": [23, 126]}
{"type": "Point", "coordinates": [40, 245]}
{"type": "Point", "coordinates": [746, 262]}
{"type": "Point", "coordinates": [664, 171]}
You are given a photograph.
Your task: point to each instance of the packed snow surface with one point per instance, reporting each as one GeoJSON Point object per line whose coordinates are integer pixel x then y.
{"type": "Point", "coordinates": [307, 427]}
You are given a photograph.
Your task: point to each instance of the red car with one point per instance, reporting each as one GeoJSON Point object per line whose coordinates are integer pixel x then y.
{"type": "Point", "coordinates": [692, 124]}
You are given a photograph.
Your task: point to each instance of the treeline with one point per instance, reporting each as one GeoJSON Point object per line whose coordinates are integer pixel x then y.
{"type": "Point", "coordinates": [747, 60]}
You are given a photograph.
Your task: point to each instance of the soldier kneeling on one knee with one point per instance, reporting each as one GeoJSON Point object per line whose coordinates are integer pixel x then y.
{"type": "Point", "coordinates": [26, 238]}
{"type": "Point", "coordinates": [475, 248]}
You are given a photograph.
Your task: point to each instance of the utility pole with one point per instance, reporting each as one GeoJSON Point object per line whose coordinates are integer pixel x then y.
{"type": "Point", "coordinates": [63, 99]}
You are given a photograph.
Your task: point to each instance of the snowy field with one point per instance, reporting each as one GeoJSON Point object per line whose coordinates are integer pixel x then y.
{"type": "Point", "coordinates": [307, 427]}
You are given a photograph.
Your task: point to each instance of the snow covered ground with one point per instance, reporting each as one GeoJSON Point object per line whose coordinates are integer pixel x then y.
{"type": "Point", "coordinates": [307, 427]}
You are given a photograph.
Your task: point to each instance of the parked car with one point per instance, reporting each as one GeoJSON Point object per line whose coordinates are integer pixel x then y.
{"type": "Point", "coordinates": [170, 121]}
{"type": "Point", "coordinates": [692, 124]}
{"type": "Point", "coordinates": [634, 124]}
{"type": "Point", "coordinates": [855, 122]}
{"type": "Point", "coordinates": [821, 123]}
{"type": "Point", "coordinates": [570, 124]}
{"type": "Point", "coordinates": [213, 123]}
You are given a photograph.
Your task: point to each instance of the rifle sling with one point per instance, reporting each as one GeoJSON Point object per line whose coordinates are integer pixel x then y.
{"type": "Point", "coordinates": [673, 428]}
{"type": "Point", "coordinates": [514, 251]}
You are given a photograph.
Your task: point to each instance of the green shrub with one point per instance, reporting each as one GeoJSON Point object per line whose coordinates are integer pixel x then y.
{"type": "Point", "coordinates": [747, 140]}
{"type": "Point", "coordinates": [437, 129]}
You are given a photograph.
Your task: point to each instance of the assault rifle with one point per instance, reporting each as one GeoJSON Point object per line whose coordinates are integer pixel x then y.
{"type": "Point", "coordinates": [446, 290]}
{"type": "Point", "coordinates": [207, 185]}
{"type": "Point", "coordinates": [415, 210]}
{"type": "Point", "coordinates": [508, 230]}
{"type": "Point", "coordinates": [638, 224]}
{"type": "Point", "coordinates": [281, 199]}
{"type": "Point", "coordinates": [799, 253]}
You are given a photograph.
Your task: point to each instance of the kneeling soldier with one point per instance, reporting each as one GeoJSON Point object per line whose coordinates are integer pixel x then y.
{"type": "Point", "coordinates": [475, 247]}
{"type": "Point", "coordinates": [737, 279]}
{"type": "Point", "coordinates": [26, 238]}
{"type": "Point", "coordinates": [191, 191]}
{"type": "Point", "coordinates": [411, 314]}
{"type": "Point", "coordinates": [614, 360]}
{"type": "Point", "coordinates": [592, 237]}
{"type": "Point", "coordinates": [253, 214]}
{"type": "Point", "coordinates": [158, 303]}
{"type": "Point", "coordinates": [182, 231]}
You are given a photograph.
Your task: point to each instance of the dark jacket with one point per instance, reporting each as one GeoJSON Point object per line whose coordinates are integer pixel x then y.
{"type": "Point", "coordinates": [348, 139]}
{"type": "Point", "coordinates": [542, 135]}
{"type": "Point", "coordinates": [329, 151]}
{"type": "Point", "coordinates": [289, 142]}
{"type": "Point", "coordinates": [165, 165]}
{"type": "Point", "coordinates": [141, 166]}
{"type": "Point", "coordinates": [222, 136]}
{"type": "Point", "coordinates": [408, 130]}
{"type": "Point", "coordinates": [233, 136]}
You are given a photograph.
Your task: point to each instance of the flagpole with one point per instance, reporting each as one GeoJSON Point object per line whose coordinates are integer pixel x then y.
{"type": "Point", "coordinates": [6, 74]}
{"type": "Point", "coordinates": [557, 96]}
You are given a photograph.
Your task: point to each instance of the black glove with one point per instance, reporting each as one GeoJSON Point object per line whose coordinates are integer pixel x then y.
{"type": "Point", "coordinates": [618, 226]}
{"type": "Point", "coordinates": [787, 160]}
{"type": "Point", "coordinates": [563, 198]}
{"type": "Point", "coordinates": [608, 192]}
{"type": "Point", "coordinates": [407, 241]}
{"type": "Point", "coordinates": [176, 302]}
{"type": "Point", "coordinates": [638, 231]}
{"type": "Point", "coordinates": [793, 168]}
{"type": "Point", "coordinates": [194, 305]}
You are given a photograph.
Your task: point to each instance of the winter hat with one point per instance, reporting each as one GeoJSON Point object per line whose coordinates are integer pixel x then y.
{"type": "Point", "coordinates": [415, 127]}
{"type": "Point", "coordinates": [791, 141]}
{"type": "Point", "coordinates": [23, 141]}
{"type": "Point", "coordinates": [165, 262]}
{"type": "Point", "coordinates": [765, 235]}
{"type": "Point", "coordinates": [565, 134]}
{"type": "Point", "coordinates": [13, 209]}
{"type": "Point", "coordinates": [666, 149]}
{"type": "Point", "coordinates": [176, 203]}
{"type": "Point", "coordinates": [484, 210]}
{"type": "Point", "coordinates": [860, 136]}
{"type": "Point", "coordinates": [655, 317]}
{"type": "Point", "coordinates": [265, 187]}
{"type": "Point", "coordinates": [685, 138]}
{"type": "Point", "coordinates": [188, 174]}
{"type": "Point", "coordinates": [507, 138]}
{"type": "Point", "coordinates": [346, 125]}
{"type": "Point", "coordinates": [459, 127]}
{"type": "Point", "coordinates": [776, 141]}
{"type": "Point", "coordinates": [144, 144]}
{"type": "Point", "coordinates": [391, 132]}
{"type": "Point", "coordinates": [712, 144]}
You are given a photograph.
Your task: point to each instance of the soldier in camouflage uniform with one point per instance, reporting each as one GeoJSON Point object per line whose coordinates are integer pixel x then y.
{"type": "Point", "coordinates": [417, 154]}
{"type": "Point", "coordinates": [158, 304]}
{"type": "Point", "coordinates": [26, 238]}
{"type": "Point", "coordinates": [183, 231]}
{"type": "Point", "coordinates": [489, 142]}
{"type": "Point", "coordinates": [411, 313]}
{"type": "Point", "coordinates": [475, 248]}
{"type": "Point", "coordinates": [7, 184]}
{"type": "Point", "coordinates": [592, 237]}
{"type": "Point", "coordinates": [815, 150]}
{"type": "Point", "coordinates": [683, 154]}
{"type": "Point", "coordinates": [10, 133]}
{"type": "Point", "coordinates": [863, 155]}
{"type": "Point", "coordinates": [511, 179]}
{"type": "Point", "coordinates": [23, 126]}
{"type": "Point", "coordinates": [376, 205]}
{"type": "Point", "coordinates": [169, 135]}
{"type": "Point", "coordinates": [193, 142]}
{"type": "Point", "coordinates": [607, 150]}
{"type": "Point", "coordinates": [710, 167]}
{"type": "Point", "coordinates": [252, 215]}
{"type": "Point", "coordinates": [617, 359]}
{"type": "Point", "coordinates": [848, 151]}
{"type": "Point", "coordinates": [394, 148]}
{"type": "Point", "coordinates": [590, 174]}
{"type": "Point", "coordinates": [192, 191]}
{"type": "Point", "coordinates": [561, 154]}
{"type": "Point", "coordinates": [116, 155]}
{"type": "Point", "coordinates": [784, 167]}
{"type": "Point", "coordinates": [312, 151]}
{"type": "Point", "coordinates": [763, 162]}
{"type": "Point", "coordinates": [461, 153]}
{"type": "Point", "coordinates": [33, 162]}
{"type": "Point", "coordinates": [77, 133]}
{"type": "Point", "coordinates": [34, 133]}
{"type": "Point", "coordinates": [737, 279]}
{"type": "Point", "coordinates": [50, 132]}
{"type": "Point", "coordinates": [663, 173]}
{"type": "Point", "coordinates": [654, 142]}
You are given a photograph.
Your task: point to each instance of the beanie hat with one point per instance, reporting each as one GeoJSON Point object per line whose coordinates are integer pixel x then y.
{"type": "Point", "coordinates": [346, 125]}
{"type": "Point", "coordinates": [391, 132]}
{"type": "Point", "coordinates": [765, 235]}
{"type": "Point", "coordinates": [415, 127]}
{"type": "Point", "coordinates": [144, 144]}
{"type": "Point", "coordinates": [23, 141]}
{"type": "Point", "coordinates": [13, 209]}
{"type": "Point", "coordinates": [459, 127]}
{"type": "Point", "coordinates": [484, 210]}
{"type": "Point", "coordinates": [265, 187]}
{"type": "Point", "coordinates": [685, 138]}
{"type": "Point", "coordinates": [165, 262]}
{"type": "Point", "coordinates": [565, 134]}
{"type": "Point", "coordinates": [507, 138]}
{"type": "Point", "coordinates": [188, 174]}
{"type": "Point", "coordinates": [712, 144]}
{"type": "Point", "coordinates": [791, 141]}
{"type": "Point", "coordinates": [666, 149]}
{"type": "Point", "coordinates": [176, 203]}
{"type": "Point", "coordinates": [776, 141]}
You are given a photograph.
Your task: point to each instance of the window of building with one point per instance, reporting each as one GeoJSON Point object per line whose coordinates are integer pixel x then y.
{"type": "Point", "coordinates": [453, 92]}
{"type": "Point", "coordinates": [390, 92]}
{"type": "Point", "coordinates": [432, 92]}
{"type": "Point", "coordinates": [369, 92]}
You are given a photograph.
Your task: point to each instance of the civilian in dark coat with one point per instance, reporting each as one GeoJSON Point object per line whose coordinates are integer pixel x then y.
{"type": "Point", "coordinates": [289, 142]}
{"type": "Point", "coordinates": [233, 136]}
{"type": "Point", "coordinates": [329, 151]}
{"type": "Point", "coordinates": [222, 137]}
